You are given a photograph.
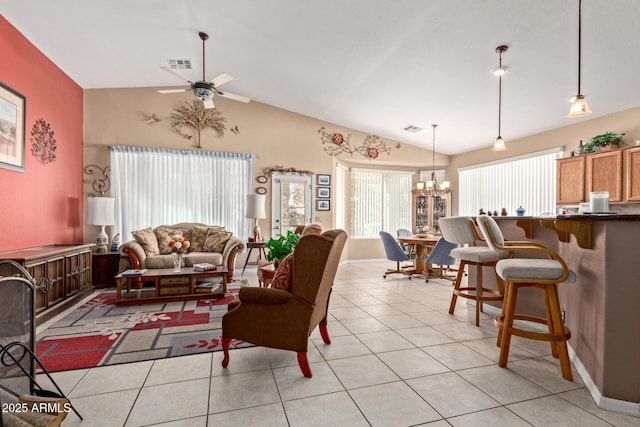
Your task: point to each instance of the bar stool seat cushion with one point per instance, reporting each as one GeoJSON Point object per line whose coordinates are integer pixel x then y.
{"type": "Point", "coordinates": [528, 268]}
{"type": "Point", "coordinates": [478, 254]}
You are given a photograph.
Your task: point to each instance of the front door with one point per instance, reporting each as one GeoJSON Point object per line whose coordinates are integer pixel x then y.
{"type": "Point", "coordinates": [291, 203]}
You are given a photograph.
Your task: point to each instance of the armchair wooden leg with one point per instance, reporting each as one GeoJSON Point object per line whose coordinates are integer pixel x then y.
{"type": "Point", "coordinates": [225, 348]}
{"type": "Point", "coordinates": [304, 364]}
{"type": "Point", "coordinates": [324, 333]}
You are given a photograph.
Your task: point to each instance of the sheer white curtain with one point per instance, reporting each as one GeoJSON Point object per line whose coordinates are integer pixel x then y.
{"type": "Point", "coordinates": [381, 201]}
{"type": "Point", "coordinates": [527, 181]}
{"type": "Point", "coordinates": [156, 186]}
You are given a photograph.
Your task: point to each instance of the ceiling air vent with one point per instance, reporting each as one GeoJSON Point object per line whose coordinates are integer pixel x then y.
{"type": "Point", "coordinates": [412, 128]}
{"type": "Point", "coordinates": [179, 64]}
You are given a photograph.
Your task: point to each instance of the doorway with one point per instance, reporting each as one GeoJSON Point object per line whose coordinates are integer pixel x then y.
{"type": "Point", "coordinates": [291, 203]}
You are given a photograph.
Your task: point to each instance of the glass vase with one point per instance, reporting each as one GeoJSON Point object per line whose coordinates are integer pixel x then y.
{"type": "Point", "coordinates": [177, 261]}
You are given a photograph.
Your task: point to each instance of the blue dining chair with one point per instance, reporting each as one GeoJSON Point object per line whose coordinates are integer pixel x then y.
{"type": "Point", "coordinates": [394, 252]}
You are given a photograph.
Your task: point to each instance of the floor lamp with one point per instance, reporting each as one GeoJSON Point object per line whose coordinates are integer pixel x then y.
{"type": "Point", "coordinates": [255, 210]}
{"type": "Point", "coordinates": [100, 211]}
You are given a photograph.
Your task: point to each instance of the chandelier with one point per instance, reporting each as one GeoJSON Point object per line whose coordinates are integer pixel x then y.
{"type": "Point", "coordinates": [432, 187]}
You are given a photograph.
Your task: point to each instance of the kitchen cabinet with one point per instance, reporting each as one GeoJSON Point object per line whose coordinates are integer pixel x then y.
{"type": "Point", "coordinates": [604, 173]}
{"type": "Point", "coordinates": [570, 179]}
{"type": "Point", "coordinates": [632, 175]}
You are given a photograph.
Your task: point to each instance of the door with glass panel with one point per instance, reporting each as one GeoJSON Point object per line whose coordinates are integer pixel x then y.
{"type": "Point", "coordinates": [291, 203]}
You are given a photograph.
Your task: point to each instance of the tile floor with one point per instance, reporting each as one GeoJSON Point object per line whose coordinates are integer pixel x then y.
{"type": "Point", "coordinates": [397, 359]}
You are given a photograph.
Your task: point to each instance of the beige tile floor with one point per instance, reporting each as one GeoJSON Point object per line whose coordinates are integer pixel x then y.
{"type": "Point", "coordinates": [397, 359]}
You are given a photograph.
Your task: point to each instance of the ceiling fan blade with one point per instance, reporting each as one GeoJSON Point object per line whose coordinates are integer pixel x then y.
{"type": "Point", "coordinates": [175, 73]}
{"type": "Point", "coordinates": [209, 104]}
{"type": "Point", "coordinates": [174, 90]}
{"type": "Point", "coordinates": [234, 96]}
{"type": "Point", "coordinates": [221, 79]}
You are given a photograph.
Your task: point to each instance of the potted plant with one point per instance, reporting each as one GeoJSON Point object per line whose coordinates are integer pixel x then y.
{"type": "Point", "coordinates": [605, 141]}
{"type": "Point", "coordinates": [281, 246]}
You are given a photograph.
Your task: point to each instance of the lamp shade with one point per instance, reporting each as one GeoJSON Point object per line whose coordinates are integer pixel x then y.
{"type": "Point", "coordinates": [100, 211]}
{"type": "Point", "coordinates": [255, 206]}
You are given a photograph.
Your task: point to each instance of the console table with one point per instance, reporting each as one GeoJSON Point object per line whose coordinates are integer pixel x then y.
{"type": "Point", "coordinates": [164, 284]}
{"type": "Point", "coordinates": [62, 274]}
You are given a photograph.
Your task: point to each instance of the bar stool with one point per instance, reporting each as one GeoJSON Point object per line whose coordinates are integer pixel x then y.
{"type": "Point", "coordinates": [461, 231]}
{"type": "Point", "coordinates": [543, 274]}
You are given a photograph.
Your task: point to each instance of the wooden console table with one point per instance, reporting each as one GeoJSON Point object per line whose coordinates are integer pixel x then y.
{"type": "Point", "coordinates": [62, 274]}
{"type": "Point", "coordinates": [169, 285]}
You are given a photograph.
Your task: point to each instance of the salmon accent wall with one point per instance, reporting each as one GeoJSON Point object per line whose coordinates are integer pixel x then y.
{"type": "Point", "coordinates": [44, 205]}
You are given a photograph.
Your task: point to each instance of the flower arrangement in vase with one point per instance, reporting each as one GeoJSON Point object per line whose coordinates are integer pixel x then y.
{"type": "Point", "coordinates": [179, 246]}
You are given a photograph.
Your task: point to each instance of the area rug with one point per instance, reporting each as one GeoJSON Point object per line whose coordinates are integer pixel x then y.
{"type": "Point", "coordinates": [101, 333]}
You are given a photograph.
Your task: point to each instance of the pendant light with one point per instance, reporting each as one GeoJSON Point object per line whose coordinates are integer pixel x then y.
{"type": "Point", "coordinates": [435, 189]}
{"type": "Point", "coordinates": [579, 106]}
{"type": "Point", "coordinates": [499, 145]}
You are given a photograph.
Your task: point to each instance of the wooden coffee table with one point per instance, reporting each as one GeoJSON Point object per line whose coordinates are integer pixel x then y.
{"type": "Point", "coordinates": [164, 284]}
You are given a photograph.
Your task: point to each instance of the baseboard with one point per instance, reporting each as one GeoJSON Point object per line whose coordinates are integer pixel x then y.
{"type": "Point", "coordinates": [608, 404]}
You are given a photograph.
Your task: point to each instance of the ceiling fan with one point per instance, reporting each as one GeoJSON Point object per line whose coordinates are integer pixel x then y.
{"type": "Point", "coordinates": [202, 89]}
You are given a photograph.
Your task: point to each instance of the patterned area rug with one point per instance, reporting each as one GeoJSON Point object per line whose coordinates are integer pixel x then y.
{"type": "Point", "coordinates": [102, 333]}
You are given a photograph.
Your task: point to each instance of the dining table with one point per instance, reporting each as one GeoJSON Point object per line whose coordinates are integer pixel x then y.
{"type": "Point", "coordinates": [423, 244]}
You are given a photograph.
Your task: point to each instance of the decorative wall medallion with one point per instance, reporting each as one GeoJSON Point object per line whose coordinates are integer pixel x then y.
{"type": "Point", "coordinates": [261, 190]}
{"type": "Point", "coordinates": [196, 116]}
{"type": "Point", "coordinates": [336, 144]}
{"type": "Point", "coordinates": [43, 143]}
{"type": "Point", "coordinates": [262, 179]}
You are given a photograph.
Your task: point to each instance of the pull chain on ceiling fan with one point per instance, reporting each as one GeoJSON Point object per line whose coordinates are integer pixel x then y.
{"type": "Point", "coordinates": [202, 89]}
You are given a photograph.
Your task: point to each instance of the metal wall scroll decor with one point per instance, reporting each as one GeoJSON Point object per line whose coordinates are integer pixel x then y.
{"type": "Point", "coordinates": [336, 144]}
{"type": "Point", "coordinates": [196, 116]}
{"type": "Point", "coordinates": [101, 183]}
{"type": "Point", "coordinates": [280, 169]}
{"type": "Point", "coordinates": [43, 143]}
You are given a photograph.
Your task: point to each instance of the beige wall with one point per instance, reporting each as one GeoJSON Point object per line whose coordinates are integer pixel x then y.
{"type": "Point", "coordinates": [281, 138]}
{"type": "Point", "coordinates": [568, 136]}
{"type": "Point", "coordinates": [277, 138]}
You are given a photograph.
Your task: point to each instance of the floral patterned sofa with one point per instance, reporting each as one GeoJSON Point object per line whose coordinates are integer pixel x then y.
{"type": "Point", "coordinates": [208, 243]}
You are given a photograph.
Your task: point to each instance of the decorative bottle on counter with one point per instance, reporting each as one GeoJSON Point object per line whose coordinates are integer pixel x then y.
{"type": "Point", "coordinates": [520, 211]}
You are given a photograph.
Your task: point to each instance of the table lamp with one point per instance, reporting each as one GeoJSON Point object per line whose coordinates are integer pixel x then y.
{"type": "Point", "coordinates": [255, 210]}
{"type": "Point", "coordinates": [100, 211]}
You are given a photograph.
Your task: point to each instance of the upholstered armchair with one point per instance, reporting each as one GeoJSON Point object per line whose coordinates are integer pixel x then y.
{"type": "Point", "coordinates": [280, 319]}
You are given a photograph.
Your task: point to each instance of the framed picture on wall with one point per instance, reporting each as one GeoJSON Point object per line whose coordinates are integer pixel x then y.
{"type": "Point", "coordinates": [323, 205]}
{"type": "Point", "coordinates": [324, 179]}
{"type": "Point", "coordinates": [324, 192]}
{"type": "Point", "coordinates": [12, 126]}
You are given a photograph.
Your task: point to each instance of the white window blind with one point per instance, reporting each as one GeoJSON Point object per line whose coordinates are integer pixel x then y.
{"type": "Point", "coordinates": [156, 186]}
{"type": "Point", "coordinates": [339, 197]}
{"type": "Point", "coordinates": [528, 181]}
{"type": "Point", "coordinates": [381, 201]}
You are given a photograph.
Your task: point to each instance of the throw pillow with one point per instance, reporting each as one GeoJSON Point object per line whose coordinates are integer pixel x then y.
{"type": "Point", "coordinates": [199, 235]}
{"type": "Point", "coordinates": [147, 240]}
{"type": "Point", "coordinates": [283, 278]}
{"type": "Point", "coordinates": [216, 240]}
{"type": "Point", "coordinates": [164, 236]}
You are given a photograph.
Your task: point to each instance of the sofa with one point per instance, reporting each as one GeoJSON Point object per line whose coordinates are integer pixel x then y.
{"type": "Point", "coordinates": [208, 243]}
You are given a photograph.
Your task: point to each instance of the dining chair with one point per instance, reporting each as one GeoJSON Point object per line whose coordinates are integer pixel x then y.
{"type": "Point", "coordinates": [394, 252]}
{"type": "Point", "coordinates": [408, 248]}
{"type": "Point", "coordinates": [538, 273]}
{"type": "Point", "coordinates": [461, 231]}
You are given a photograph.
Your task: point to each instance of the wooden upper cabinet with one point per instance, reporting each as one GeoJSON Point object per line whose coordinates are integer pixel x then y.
{"type": "Point", "coordinates": [604, 173]}
{"type": "Point", "coordinates": [570, 180]}
{"type": "Point", "coordinates": [632, 174]}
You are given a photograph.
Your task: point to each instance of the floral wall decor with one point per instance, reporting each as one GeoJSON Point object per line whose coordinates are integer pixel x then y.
{"type": "Point", "coordinates": [43, 143]}
{"type": "Point", "coordinates": [336, 144]}
{"type": "Point", "coordinates": [196, 116]}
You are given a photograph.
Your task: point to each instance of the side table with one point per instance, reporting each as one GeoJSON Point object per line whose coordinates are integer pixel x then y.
{"type": "Point", "coordinates": [266, 275]}
{"type": "Point", "coordinates": [260, 246]}
{"type": "Point", "coordinates": [104, 268]}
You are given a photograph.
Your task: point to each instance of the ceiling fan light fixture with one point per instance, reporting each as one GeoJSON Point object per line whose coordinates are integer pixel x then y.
{"type": "Point", "coordinates": [203, 91]}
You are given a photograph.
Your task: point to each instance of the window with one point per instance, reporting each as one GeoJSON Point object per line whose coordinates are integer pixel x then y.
{"type": "Point", "coordinates": [155, 186]}
{"type": "Point", "coordinates": [528, 181]}
{"type": "Point", "coordinates": [381, 201]}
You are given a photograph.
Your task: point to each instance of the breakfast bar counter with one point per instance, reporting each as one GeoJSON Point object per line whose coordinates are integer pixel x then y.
{"type": "Point", "coordinates": [602, 308]}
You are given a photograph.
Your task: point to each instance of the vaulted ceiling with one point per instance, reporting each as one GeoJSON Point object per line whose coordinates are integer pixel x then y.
{"type": "Point", "coordinates": [372, 65]}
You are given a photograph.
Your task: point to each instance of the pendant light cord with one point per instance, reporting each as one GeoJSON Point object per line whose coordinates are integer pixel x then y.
{"type": "Point", "coordinates": [579, 43]}
{"type": "Point", "coordinates": [500, 98]}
